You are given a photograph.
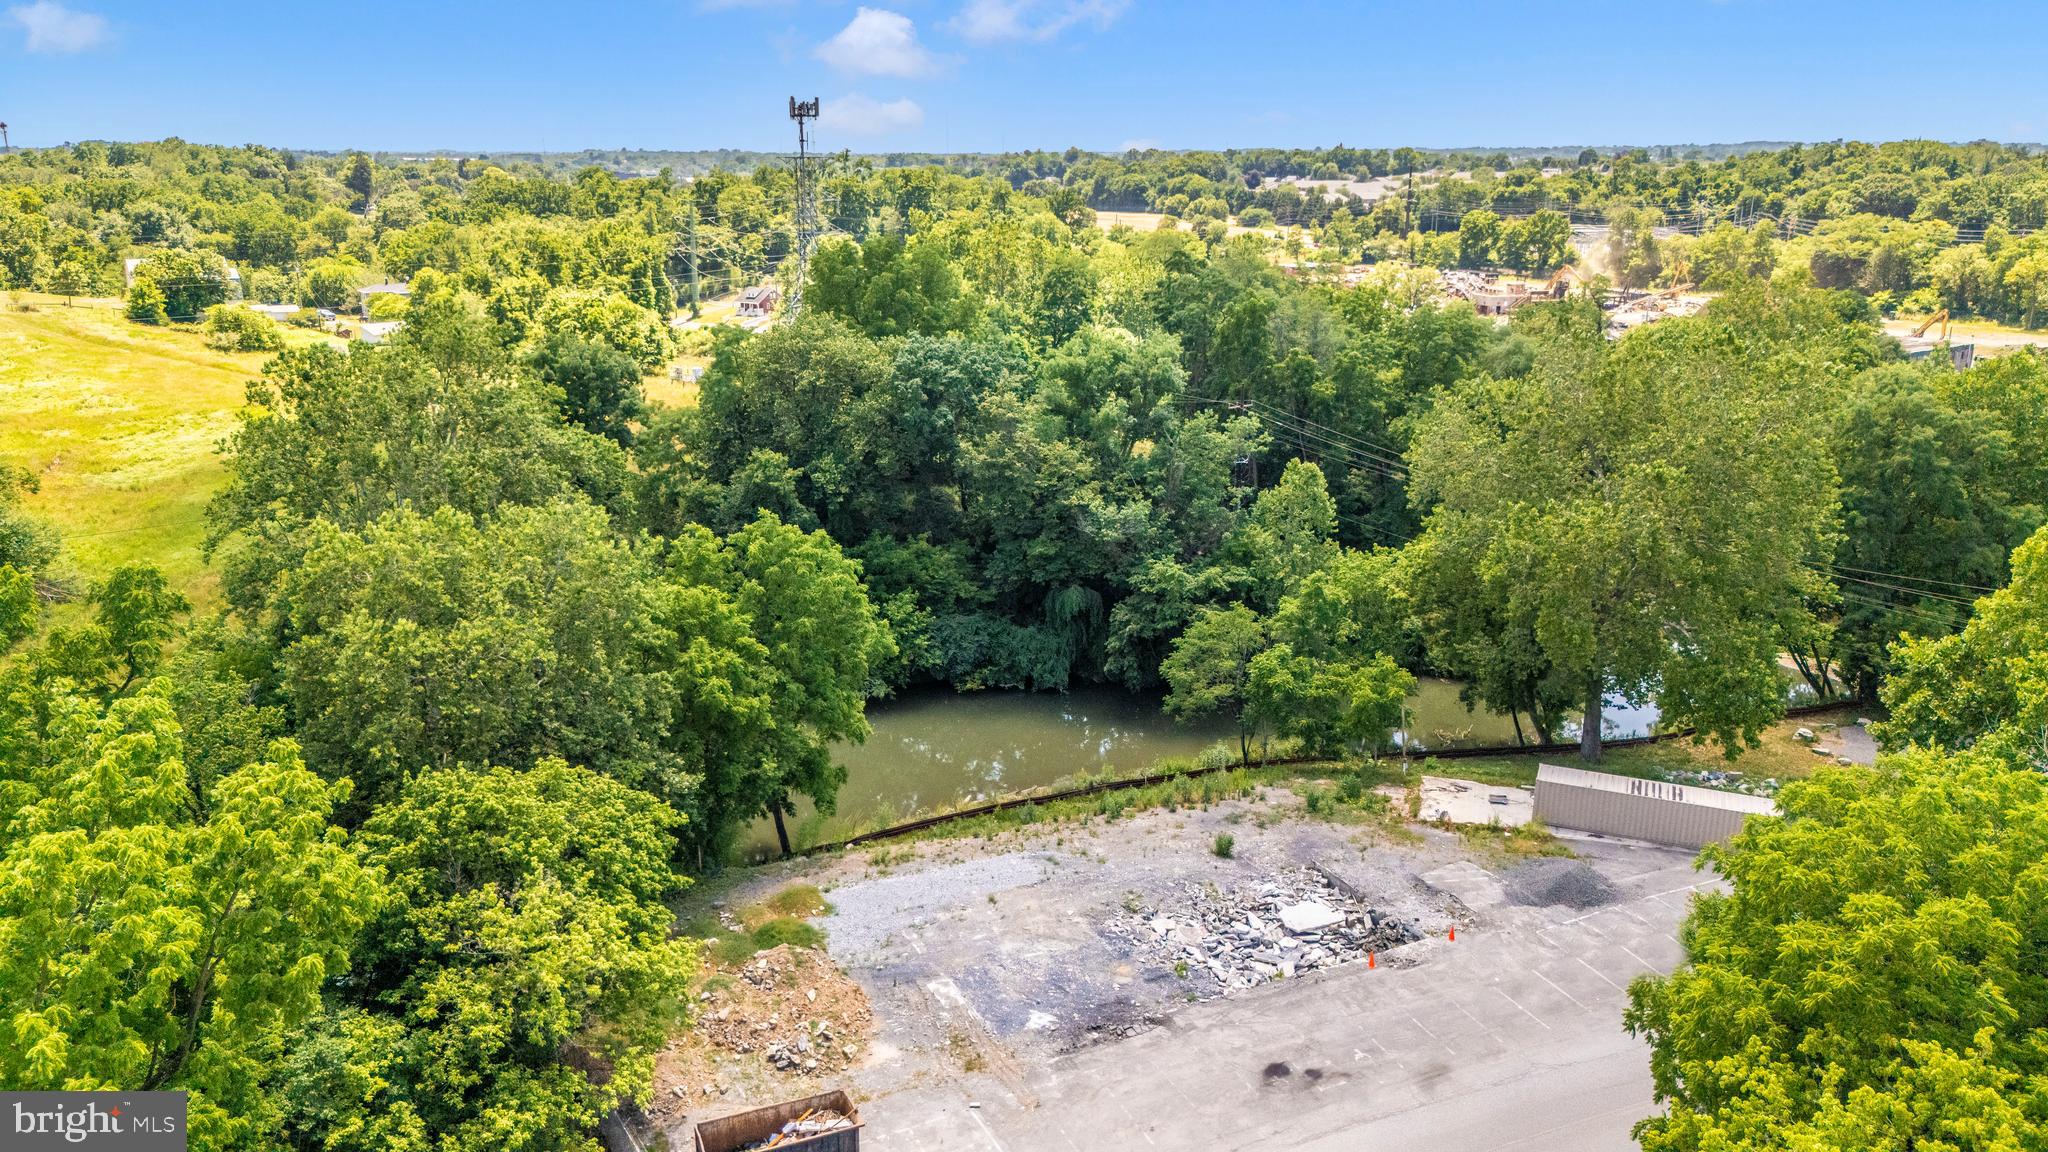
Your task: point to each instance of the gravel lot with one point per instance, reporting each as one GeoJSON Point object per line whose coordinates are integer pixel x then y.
{"type": "Point", "coordinates": [1015, 1010]}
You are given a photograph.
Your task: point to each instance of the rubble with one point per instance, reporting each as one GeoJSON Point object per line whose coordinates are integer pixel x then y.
{"type": "Point", "coordinates": [816, 1122]}
{"type": "Point", "coordinates": [1222, 941]}
{"type": "Point", "coordinates": [1722, 779]}
{"type": "Point", "coordinates": [1555, 880]}
{"type": "Point", "coordinates": [786, 1015]}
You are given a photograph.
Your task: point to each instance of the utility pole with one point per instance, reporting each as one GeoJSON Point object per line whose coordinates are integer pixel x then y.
{"type": "Point", "coordinates": [803, 112]}
{"type": "Point", "coordinates": [695, 294]}
{"type": "Point", "coordinates": [5, 145]}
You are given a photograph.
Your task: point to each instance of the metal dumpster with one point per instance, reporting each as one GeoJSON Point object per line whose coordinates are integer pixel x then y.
{"type": "Point", "coordinates": [747, 1129]}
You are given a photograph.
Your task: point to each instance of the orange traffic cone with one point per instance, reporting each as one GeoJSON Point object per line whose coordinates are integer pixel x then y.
{"type": "Point", "coordinates": [1371, 961]}
{"type": "Point", "coordinates": [1454, 933]}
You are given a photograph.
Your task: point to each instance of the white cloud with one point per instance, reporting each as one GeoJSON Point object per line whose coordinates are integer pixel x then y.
{"type": "Point", "coordinates": [987, 21]}
{"type": "Point", "coordinates": [54, 28]}
{"type": "Point", "coordinates": [878, 42]}
{"type": "Point", "coordinates": [860, 115]}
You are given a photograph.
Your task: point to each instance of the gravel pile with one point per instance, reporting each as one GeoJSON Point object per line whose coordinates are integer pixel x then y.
{"type": "Point", "coordinates": [1221, 940]}
{"type": "Point", "coordinates": [1553, 880]}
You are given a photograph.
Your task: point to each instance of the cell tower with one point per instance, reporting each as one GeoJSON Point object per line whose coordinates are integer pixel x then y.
{"type": "Point", "coordinates": [4, 145]}
{"type": "Point", "coordinates": [807, 227]}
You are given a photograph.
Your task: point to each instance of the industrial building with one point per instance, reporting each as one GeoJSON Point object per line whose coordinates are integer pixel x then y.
{"type": "Point", "coordinates": [1631, 808]}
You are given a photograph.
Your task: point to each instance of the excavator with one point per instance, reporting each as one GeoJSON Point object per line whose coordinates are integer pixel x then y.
{"type": "Point", "coordinates": [1555, 287]}
{"type": "Point", "coordinates": [1940, 318]}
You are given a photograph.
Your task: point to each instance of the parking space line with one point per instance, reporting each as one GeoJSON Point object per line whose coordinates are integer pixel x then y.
{"type": "Point", "coordinates": [1560, 989]}
{"type": "Point", "coordinates": [975, 1115]}
{"type": "Point", "coordinates": [1525, 1011]}
{"type": "Point", "coordinates": [1638, 959]}
{"type": "Point", "coordinates": [1597, 972]}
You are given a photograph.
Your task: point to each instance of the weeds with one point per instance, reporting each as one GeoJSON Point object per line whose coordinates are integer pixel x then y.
{"type": "Point", "coordinates": [1224, 845]}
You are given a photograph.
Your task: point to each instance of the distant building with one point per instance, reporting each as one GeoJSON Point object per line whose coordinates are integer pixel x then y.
{"type": "Point", "coordinates": [277, 312]}
{"type": "Point", "coordinates": [377, 331]}
{"type": "Point", "coordinates": [1920, 348]}
{"type": "Point", "coordinates": [363, 294]}
{"type": "Point", "coordinates": [760, 300]}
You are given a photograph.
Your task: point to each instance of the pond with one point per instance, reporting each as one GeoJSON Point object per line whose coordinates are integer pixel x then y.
{"type": "Point", "coordinates": [935, 748]}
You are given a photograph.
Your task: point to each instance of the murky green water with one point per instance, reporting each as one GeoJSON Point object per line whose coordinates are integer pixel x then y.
{"type": "Point", "coordinates": [936, 749]}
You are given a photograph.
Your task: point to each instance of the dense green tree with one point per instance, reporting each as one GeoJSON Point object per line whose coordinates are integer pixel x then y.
{"type": "Point", "coordinates": [361, 180]}
{"type": "Point", "coordinates": [599, 385]}
{"type": "Point", "coordinates": [1873, 979]}
{"type": "Point", "coordinates": [791, 606]}
{"type": "Point", "coordinates": [1986, 686]}
{"type": "Point", "coordinates": [148, 949]}
{"type": "Point", "coordinates": [1925, 509]}
{"type": "Point", "coordinates": [518, 982]}
{"type": "Point", "coordinates": [1209, 670]}
{"type": "Point", "coordinates": [188, 281]}
{"type": "Point", "coordinates": [432, 640]}
{"type": "Point", "coordinates": [1642, 511]}
{"type": "Point", "coordinates": [886, 287]}
{"type": "Point", "coordinates": [440, 417]}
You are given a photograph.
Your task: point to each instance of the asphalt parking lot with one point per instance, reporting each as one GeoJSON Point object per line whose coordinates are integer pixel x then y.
{"type": "Point", "coordinates": [1509, 1037]}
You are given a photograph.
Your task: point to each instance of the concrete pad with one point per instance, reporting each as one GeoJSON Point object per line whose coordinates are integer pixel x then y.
{"type": "Point", "coordinates": [1470, 802]}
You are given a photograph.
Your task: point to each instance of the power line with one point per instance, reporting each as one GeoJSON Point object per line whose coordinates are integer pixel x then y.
{"type": "Point", "coordinates": [1916, 579]}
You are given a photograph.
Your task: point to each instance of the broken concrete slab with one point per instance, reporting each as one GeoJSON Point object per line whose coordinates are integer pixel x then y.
{"type": "Point", "coordinates": [1309, 916]}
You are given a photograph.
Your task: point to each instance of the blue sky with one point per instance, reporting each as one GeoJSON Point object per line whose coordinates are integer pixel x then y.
{"type": "Point", "coordinates": [983, 75]}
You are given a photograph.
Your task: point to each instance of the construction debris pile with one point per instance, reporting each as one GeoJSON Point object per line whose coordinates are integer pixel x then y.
{"type": "Point", "coordinates": [815, 1122]}
{"type": "Point", "coordinates": [1221, 941]}
{"type": "Point", "coordinates": [775, 1011]}
{"type": "Point", "coordinates": [1556, 880]}
{"type": "Point", "coordinates": [787, 1016]}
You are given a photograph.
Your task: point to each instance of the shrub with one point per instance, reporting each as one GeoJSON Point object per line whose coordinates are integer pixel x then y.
{"type": "Point", "coordinates": [787, 930]}
{"type": "Point", "coordinates": [1351, 789]}
{"type": "Point", "coordinates": [1224, 845]}
{"type": "Point", "coordinates": [802, 901]}
{"type": "Point", "coordinates": [146, 303]}
{"type": "Point", "coordinates": [235, 329]}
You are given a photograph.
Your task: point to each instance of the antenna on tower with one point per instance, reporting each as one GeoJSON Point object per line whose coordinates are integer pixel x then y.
{"type": "Point", "coordinates": [5, 145]}
{"type": "Point", "coordinates": [807, 227]}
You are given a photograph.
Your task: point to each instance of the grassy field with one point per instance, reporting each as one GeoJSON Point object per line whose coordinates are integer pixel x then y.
{"type": "Point", "coordinates": [120, 423]}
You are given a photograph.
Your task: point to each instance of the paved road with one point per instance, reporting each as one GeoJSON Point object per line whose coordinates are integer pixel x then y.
{"type": "Point", "coordinates": [1508, 1039]}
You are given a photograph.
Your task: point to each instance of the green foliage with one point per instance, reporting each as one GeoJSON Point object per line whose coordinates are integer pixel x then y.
{"type": "Point", "coordinates": [232, 328]}
{"type": "Point", "coordinates": [1887, 998]}
{"type": "Point", "coordinates": [1209, 670]}
{"type": "Point", "coordinates": [146, 948]}
{"type": "Point", "coordinates": [888, 288]}
{"type": "Point", "coordinates": [442, 416]}
{"type": "Point", "coordinates": [521, 977]}
{"type": "Point", "coordinates": [599, 385]}
{"type": "Point", "coordinates": [181, 284]}
{"type": "Point", "coordinates": [783, 646]}
{"type": "Point", "coordinates": [1638, 513]}
{"type": "Point", "coordinates": [1926, 505]}
{"type": "Point", "coordinates": [425, 641]}
{"type": "Point", "coordinates": [787, 930]}
{"type": "Point", "coordinates": [1224, 846]}
{"type": "Point", "coordinates": [1986, 686]}
{"type": "Point", "coordinates": [146, 303]}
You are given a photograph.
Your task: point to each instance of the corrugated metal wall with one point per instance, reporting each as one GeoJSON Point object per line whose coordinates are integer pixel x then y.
{"type": "Point", "coordinates": [1632, 817]}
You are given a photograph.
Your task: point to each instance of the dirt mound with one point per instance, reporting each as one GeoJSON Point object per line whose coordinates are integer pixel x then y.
{"type": "Point", "coordinates": [779, 1025]}
{"type": "Point", "coordinates": [1572, 883]}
